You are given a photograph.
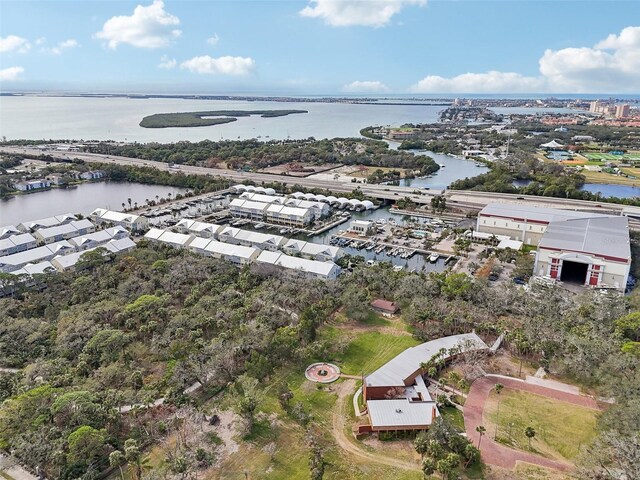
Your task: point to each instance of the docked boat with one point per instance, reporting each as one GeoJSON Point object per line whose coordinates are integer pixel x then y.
{"type": "Point", "coordinates": [434, 257]}
{"type": "Point", "coordinates": [258, 226]}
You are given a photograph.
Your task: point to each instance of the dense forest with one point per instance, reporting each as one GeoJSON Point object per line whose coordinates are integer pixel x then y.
{"type": "Point", "coordinates": [153, 322]}
{"type": "Point", "coordinates": [255, 154]}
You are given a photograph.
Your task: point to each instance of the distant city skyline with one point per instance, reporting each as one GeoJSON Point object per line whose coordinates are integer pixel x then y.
{"type": "Point", "coordinates": [350, 47]}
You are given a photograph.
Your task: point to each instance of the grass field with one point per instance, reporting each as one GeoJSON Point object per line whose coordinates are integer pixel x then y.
{"type": "Point", "coordinates": [602, 177]}
{"type": "Point", "coordinates": [561, 428]}
{"type": "Point", "coordinates": [607, 157]}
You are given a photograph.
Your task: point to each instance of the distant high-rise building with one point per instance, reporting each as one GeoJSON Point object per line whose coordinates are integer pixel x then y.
{"type": "Point", "coordinates": [593, 106]}
{"type": "Point", "coordinates": [622, 111]}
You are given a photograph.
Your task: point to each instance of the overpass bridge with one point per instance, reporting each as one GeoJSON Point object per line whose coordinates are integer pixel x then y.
{"type": "Point", "coordinates": [464, 199]}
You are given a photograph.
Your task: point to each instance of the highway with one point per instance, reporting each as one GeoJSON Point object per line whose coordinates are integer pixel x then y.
{"type": "Point", "coordinates": [464, 199]}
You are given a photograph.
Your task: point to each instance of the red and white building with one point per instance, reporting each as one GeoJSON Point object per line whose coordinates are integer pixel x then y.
{"type": "Point", "coordinates": [396, 395]}
{"type": "Point", "coordinates": [584, 248]}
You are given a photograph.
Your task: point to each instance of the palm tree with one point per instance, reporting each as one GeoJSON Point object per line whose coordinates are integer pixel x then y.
{"type": "Point", "coordinates": [129, 202]}
{"type": "Point", "coordinates": [157, 197]}
{"type": "Point", "coordinates": [481, 430]}
{"type": "Point", "coordinates": [123, 205]}
{"type": "Point", "coordinates": [530, 433]}
{"type": "Point", "coordinates": [498, 389]}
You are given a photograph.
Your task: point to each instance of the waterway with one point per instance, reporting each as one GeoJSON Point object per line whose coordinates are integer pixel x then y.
{"type": "Point", "coordinates": [83, 199]}
{"type": "Point", "coordinates": [33, 117]}
{"type": "Point", "coordinates": [417, 262]}
{"type": "Point", "coordinates": [611, 190]}
{"type": "Point", "coordinates": [605, 189]}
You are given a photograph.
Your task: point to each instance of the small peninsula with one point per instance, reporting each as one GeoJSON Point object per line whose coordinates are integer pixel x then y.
{"type": "Point", "coordinates": [208, 118]}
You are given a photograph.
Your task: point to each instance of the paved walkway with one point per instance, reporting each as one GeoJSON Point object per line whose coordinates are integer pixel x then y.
{"type": "Point", "coordinates": [13, 469]}
{"type": "Point", "coordinates": [499, 455]}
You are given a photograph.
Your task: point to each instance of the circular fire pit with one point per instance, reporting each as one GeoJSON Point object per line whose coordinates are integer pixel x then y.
{"type": "Point", "coordinates": [322, 372]}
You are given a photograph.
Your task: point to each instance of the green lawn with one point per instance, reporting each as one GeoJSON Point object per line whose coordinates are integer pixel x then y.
{"type": "Point", "coordinates": [370, 350]}
{"type": "Point", "coordinates": [455, 416]}
{"type": "Point", "coordinates": [561, 428]}
{"type": "Point", "coordinates": [611, 158]}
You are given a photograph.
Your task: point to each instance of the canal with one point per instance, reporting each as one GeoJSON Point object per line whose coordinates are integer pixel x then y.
{"type": "Point", "coordinates": [83, 199]}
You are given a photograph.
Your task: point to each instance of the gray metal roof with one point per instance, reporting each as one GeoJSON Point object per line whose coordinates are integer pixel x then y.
{"type": "Point", "coordinates": [400, 413]}
{"type": "Point", "coordinates": [604, 236]}
{"type": "Point", "coordinates": [529, 212]}
{"type": "Point", "coordinates": [398, 369]}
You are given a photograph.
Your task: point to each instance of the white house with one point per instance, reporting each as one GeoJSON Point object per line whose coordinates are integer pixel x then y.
{"type": "Point", "coordinates": [313, 251]}
{"type": "Point", "coordinates": [177, 240]}
{"type": "Point", "coordinates": [31, 185]}
{"type": "Point", "coordinates": [46, 222]}
{"type": "Point", "coordinates": [127, 220]}
{"type": "Point", "coordinates": [311, 268]}
{"type": "Point", "coordinates": [17, 243]}
{"type": "Point", "coordinates": [290, 216]}
{"type": "Point", "coordinates": [10, 263]}
{"type": "Point", "coordinates": [64, 231]}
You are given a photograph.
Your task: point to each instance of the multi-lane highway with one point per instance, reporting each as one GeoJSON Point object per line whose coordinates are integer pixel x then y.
{"type": "Point", "coordinates": [461, 198]}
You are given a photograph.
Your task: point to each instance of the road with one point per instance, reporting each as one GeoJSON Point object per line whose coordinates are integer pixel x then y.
{"type": "Point", "coordinates": [460, 198]}
{"type": "Point", "coordinates": [344, 389]}
{"type": "Point", "coordinates": [500, 455]}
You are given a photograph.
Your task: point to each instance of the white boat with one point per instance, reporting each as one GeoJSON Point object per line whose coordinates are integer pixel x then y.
{"type": "Point", "coordinates": [434, 257]}
{"type": "Point", "coordinates": [258, 226]}
{"type": "Point", "coordinates": [284, 230]}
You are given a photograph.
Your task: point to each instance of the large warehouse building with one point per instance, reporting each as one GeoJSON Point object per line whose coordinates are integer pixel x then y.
{"type": "Point", "coordinates": [582, 248]}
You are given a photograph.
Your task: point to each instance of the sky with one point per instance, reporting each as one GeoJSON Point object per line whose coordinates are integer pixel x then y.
{"type": "Point", "coordinates": [297, 47]}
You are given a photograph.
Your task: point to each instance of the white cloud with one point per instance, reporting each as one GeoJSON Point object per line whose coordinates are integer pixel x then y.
{"type": "Point", "coordinates": [610, 66]}
{"type": "Point", "coordinates": [11, 73]}
{"type": "Point", "coordinates": [345, 13]}
{"type": "Point", "coordinates": [213, 40]}
{"type": "Point", "coordinates": [40, 41]}
{"type": "Point", "coordinates": [148, 27]}
{"type": "Point", "coordinates": [223, 65]}
{"type": "Point", "coordinates": [489, 82]}
{"type": "Point", "coordinates": [365, 86]}
{"type": "Point", "coordinates": [167, 63]}
{"type": "Point", "coordinates": [12, 43]}
{"type": "Point", "coordinates": [60, 47]}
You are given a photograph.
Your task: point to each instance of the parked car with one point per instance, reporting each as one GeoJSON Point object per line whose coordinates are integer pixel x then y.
{"type": "Point", "coordinates": [519, 281]}
{"type": "Point", "coordinates": [493, 277]}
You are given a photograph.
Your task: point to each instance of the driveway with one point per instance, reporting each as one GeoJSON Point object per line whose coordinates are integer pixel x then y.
{"type": "Point", "coordinates": [495, 453]}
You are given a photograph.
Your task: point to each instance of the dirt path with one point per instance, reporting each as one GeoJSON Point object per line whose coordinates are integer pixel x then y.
{"type": "Point", "coordinates": [346, 444]}
{"type": "Point", "coordinates": [499, 455]}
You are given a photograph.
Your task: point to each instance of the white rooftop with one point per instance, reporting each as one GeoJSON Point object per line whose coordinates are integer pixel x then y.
{"type": "Point", "coordinates": [407, 363]}
{"type": "Point", "coordinates": [603, 236]}
{"type": "Point", "coordinates": [401, 413]}
{"type": "Point", "coordinates": [228, 249]}
{"type": "Point", "coordinates": [531, 213]}
{"type": "Point", "coordinates": [49, 221]}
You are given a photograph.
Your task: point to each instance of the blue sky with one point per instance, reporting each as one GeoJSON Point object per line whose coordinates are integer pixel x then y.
{"type": "Point", "coordinates": [321, 47]}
